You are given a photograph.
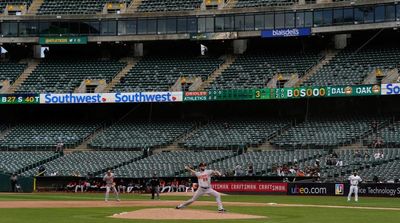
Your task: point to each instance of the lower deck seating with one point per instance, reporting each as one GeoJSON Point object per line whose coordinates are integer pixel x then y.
{"type": "Point", "coordinates": [234, 133]}
{"type": "Point", "coordinates": [264, 161]}
{"type": "Point", "coordinates": [168, 164]}
{"type": "Point", "coordinates": [389, 135]}
{"type": "Point", "coordinates": [13, 162]}
{"type": "Point", "coordinates": [46, 135]}
{"type": "Point", "coordinates": [85, 163]}
{"type": "Point", "coordinates": [140, 135]}
{"type": "Point", "coordinates": [326, 132]}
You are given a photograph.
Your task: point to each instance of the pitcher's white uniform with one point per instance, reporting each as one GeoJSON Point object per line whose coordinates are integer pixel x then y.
{"type": "Point", "coordinates": [354, 181]}
{"type": "Point", "coordinates": [109, 179]}
{"type": "Point", "coordinates": [204, 182]}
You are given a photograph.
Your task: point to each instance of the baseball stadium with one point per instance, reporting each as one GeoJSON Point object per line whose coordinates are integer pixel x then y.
{"type": "Point", "coordinates": [275, 111]}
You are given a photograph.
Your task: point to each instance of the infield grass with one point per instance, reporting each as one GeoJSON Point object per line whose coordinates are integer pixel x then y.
{"type": "Point", "coordinates": [274, 214]}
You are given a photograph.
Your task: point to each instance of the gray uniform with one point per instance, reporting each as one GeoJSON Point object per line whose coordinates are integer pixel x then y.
{"type": "Point", "coordinates": [204, 181]}
{"type": "Point", "coordinates": [110, 185]}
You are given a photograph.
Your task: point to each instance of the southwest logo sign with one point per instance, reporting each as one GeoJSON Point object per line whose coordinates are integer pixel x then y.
{"type": "Point", "coordinates": [96, 98]}
{"type": "Point", "coordinates": [273, 33]}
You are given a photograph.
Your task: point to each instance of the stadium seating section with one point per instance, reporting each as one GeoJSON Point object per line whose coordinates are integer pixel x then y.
{"type": "Point", "coordinates": [84, 163]}
{"type": "Point", "coordinates": [51, 7]}
{"type": "Point", "coordinates": [254, 70]}
{"type": "Point", "coordinates": [387, 170]}
{"type": "Point", "coordinates": [4, 3]}
{"type": "Point", "coordinates": [138, 135]}
{"type": "Point", "coordinates": [390, 136]}
{"type": "Point", "coordinates": [367, 166]}
{"type": "Point", "coordinates": [352, 67]}
{"type": "Point", "coordinates": [46, 135]}
{"type": "Point", "coordinates": [11, 70]}
{"type": "Point", "coordinates": [14, 162]}
{"type": "Point", "coordinates": [224, 134]}
{"type": "Point", "coordinates": [161, 73]}
{"type": "Point", "coordinates": [169, 163]}
{"type": "Point", "coordinates": [64, 76]}
{"type": "Point", "coordinates": [168, 5]}
{"type": "Point", "coordinates": [263, 3]}
{"type": "Point", "coordinates": [264, 161]}
{"type": "Point", "coordinates": [326, 132]}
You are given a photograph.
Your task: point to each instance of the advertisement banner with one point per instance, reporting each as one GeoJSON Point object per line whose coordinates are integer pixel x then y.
{"type": "Point", "coordinates": [63, 40]}
{"type": "Point", "coordinates": [390, 89]}
{"type": "Point", "coordinates": [274, 33]}
{"type": "Point", "coordinates": [309, 189]}
{"type": "Point", "coordinates": [213, 36]}
{"type": "Point", "coordinates": [96, 98]}
{"type": "Point", "coordinates": [361, 90]}
{"type": "Point", "coordinates": [19, 99]}
{"type": "Point", "coordinates": [376, 190]}
{"type": "Point", "coordinates": [342, 189]}
{"type": "Point", "coordinates": [250, 187]}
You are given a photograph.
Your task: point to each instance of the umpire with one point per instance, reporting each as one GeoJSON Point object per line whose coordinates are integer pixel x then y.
{"type": "Point", "coordinates": [155, 186]}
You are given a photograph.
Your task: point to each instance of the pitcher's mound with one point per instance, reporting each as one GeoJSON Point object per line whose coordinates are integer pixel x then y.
{"type": "Point", "coordinates": [173, 214]}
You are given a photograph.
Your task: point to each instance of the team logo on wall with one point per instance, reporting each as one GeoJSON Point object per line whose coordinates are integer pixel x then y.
{"type": "Point", "coordinates": [339, 189]}
{"type": "Point", "coordinates": [348, 90]}
{"type": "Point", "coordinates": [376, 89]}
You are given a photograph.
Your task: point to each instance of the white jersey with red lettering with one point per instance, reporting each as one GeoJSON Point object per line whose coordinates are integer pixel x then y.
{"type": "Point", "coordinates": [204, 178]}
{"type": "Point", "coordinates": [109, 179]}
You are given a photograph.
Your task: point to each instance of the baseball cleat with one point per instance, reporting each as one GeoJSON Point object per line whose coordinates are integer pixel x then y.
{"type": "Point", "coordinates": [221, 210]}
{"type": "Point", "coordinates": [177, 207]}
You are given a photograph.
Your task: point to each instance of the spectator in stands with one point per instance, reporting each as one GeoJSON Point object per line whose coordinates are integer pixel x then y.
{"type": "Point", "coordinates": [285, 169]}
{"type": "Point", "coordinates": [14, 181]}
{"type": "Point", "coordinates": [366, 154]}
{"type": "Point", "coordinates": [292, 171]}
{"type": "Point", "coordinates": [279, 171]}
{"type": "Point", "coordinates": [59, 147]}
{"type": "Point", "coordinates": [42, 171]}
{"type": "Point", "coordinates": [357, 154]}
{"type": "Point", "coordinates": [339, 163]}
{"type": "Point", "coordinates": [317, 163]}
{"type": "Point", "coordinates": [374, 126]}
{"type": "Point", "coordinates": [121, 186]}
{"type": "Point", "coordinates": [250, 170]}
{"type": "Point", "coordinates": [377, 155]}
{"type": "Point", "coordinates": [300, 173]}
{"type": "Point", "coordinates": [238, 170]}
{"type": "Point", "coordinates": [375, 179]}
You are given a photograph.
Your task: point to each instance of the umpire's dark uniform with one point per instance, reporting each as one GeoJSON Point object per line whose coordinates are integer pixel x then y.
{"type": "Point", "coordinates": [155, 187]}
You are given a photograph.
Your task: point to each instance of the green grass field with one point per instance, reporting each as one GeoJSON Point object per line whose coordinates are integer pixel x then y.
{"type": "Point", "coordinates": [274, 214]}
